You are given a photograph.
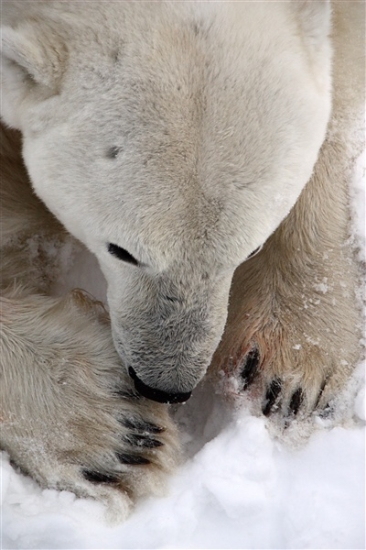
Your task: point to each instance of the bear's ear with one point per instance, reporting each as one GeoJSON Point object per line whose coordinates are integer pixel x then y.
{"type": "Point", "coordinates": [315, 20]}
{"type": "Point", "coordinates": [32, 63]}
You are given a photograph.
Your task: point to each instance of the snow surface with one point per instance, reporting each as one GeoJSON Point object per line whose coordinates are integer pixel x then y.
{"type": "Point", "coordinates": [242, 489]}
{"type": "Point", "coordinates": [238, 488]}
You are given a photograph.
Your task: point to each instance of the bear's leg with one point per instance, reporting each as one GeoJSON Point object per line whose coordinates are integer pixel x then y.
{"type": "Point", "coordinates": [69, 414]}
{"type": "Point", "coordinates": [294, 326]}
{"type": "Point", "coordinates": [293, 332]}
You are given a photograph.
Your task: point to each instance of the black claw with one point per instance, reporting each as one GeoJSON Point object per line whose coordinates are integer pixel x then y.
{"type": "Point", "coordinates": [250, 368]}
{"type": "Point", "coordinates": [132, 460]}
{"type": "Point", "coordinates": [297, 400]}
{"type": "Point", "coordinates": [141, 425]}
{"type": "Point", "coordinates": [272, 393]}
{"type": "Point", "coordinates": [99, 477]}
{"type": "Point", "coordinates": [144, 441]}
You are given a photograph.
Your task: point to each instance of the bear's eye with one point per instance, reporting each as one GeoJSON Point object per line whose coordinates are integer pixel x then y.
{"type": "Point", "coordinates": [255, 252]}
{"type": "Point", "coordinates": [122, 254]}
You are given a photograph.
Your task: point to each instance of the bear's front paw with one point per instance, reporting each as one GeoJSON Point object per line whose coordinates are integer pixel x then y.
{"type": "Point", "coordinates": [278, 395]}
{"type": "Point", "coordinates": [82, 436]}
{"type": "Point", "coordinates": [70, 415]}
{"type": "Point", "coordinates": [285, 379]}
{"type": "Point", "coordinates": [135, 454]}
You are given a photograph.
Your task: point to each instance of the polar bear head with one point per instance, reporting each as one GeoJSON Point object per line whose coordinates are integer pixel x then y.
{"type": "Point", "coordinates": [172, 139]}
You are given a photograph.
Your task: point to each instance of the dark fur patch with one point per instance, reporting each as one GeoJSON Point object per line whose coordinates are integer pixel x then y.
{"type": "Point", "coordinates": [196, 29]}
{"type": "Point", "coordinates": [113, 152]}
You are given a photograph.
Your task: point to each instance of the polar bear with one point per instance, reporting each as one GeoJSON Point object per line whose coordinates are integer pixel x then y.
{"type": "Point", "coordinates": [201, 152]}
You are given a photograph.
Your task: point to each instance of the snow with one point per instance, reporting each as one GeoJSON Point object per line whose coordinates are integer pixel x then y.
{"type": "Point", "coordinates": [239, 487]}
{"type": "Point", "coordinates": [242, 489]}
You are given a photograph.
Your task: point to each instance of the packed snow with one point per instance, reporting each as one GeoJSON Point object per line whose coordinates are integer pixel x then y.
{"type": "Point", "coordinates": [239, 486]}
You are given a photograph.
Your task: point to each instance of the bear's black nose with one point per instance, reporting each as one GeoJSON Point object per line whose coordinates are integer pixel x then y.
{"type": "Point", "coordinates": [157, 395]}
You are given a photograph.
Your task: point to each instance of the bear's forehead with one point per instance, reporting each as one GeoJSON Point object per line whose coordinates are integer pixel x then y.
{"type": "Point", "coordinates": [191, 126]}
{"type": "Point", "coordinates": [170, 105]}
{"type": "Point", "coordinates": [186, 128]}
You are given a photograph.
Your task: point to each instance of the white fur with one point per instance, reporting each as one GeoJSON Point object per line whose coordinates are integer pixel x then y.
{"type": "Point", "coordinates": [189, 134]}
{"type": "Point", "coordinates": [218, 122]}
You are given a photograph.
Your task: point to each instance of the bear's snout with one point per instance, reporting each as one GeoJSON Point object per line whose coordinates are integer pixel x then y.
{"type": "Point", "coordinates": [155, 394]}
